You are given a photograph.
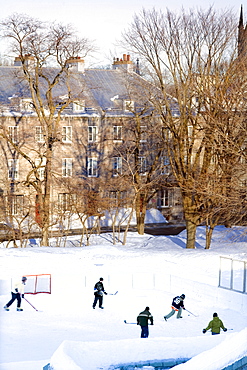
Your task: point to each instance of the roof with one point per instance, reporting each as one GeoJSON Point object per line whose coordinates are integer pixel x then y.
{"type": "Point", "coordinates": [101, 89]}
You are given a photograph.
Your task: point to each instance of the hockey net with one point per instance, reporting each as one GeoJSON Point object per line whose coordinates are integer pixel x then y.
{"type": "Point", "coordinates": [40, 283]}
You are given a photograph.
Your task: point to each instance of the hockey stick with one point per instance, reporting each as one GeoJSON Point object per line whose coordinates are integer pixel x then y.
{"type": "Point", "coordinates": [30, 303]}
{"type": "Point", "coordinates": [113, 293]}
{"type": "Point", "coordinates": [191, 312]}
{"type": "Point", "coordinates": [132, 323]}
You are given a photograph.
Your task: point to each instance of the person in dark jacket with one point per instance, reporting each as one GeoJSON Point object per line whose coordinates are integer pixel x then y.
{"type": "Point", "coordinates": [99, 290]}
{"type": "Point", "coordinates": [215, 325]}
{"type": "Point", "coordinates": [142, 320]}
{"type": "Point", "coordinates": [177, 306]}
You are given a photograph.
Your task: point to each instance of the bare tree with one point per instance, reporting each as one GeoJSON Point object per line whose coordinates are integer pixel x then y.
{"type": "Point", "coordinates": [43, 51]}
{"type": "Point", "coordinates": [189, 58]}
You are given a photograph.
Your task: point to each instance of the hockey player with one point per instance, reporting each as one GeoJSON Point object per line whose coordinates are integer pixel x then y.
{"type": "Point", "coordinates": [215, 325]}
{"type": "Point", "coordinates": [99, 290]}
{"type": "Point", "coordinates": [17, 293]}
{"type": "Point", "coordinates": [177, 305]}
{"type": "Point", "coordinates": [142, 320]}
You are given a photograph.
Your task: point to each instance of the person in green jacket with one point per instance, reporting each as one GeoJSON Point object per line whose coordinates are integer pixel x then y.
{"type": "Point", "coordinates": [215, 325]}
{"type": "Point", "coordinates": [142, 320]}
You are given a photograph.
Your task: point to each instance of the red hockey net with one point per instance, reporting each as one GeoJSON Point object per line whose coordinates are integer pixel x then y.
{"type": "Point", "coordinates": [40, 283]}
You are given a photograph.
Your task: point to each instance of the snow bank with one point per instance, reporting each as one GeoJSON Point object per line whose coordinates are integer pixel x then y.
{"type": "Point", "coordinates": [233, 348]}
{"type": "Point", "coordinates": [93, 355]}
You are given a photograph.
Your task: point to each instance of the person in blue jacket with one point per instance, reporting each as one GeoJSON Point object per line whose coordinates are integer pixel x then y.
{"type": "Point", "coordinates": [99, 290]}
{"type": "Point", "coordinates": [177, 306]}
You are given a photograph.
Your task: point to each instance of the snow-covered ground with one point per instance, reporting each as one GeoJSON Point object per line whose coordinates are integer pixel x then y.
{"type": "Point", "coordinates": [149, 271]}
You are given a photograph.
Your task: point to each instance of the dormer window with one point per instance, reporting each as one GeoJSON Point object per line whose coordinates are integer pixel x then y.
{"type": "Point", "coordinates": [129, 105]}
{"type": "Point", "coordinates": [78, 106]}
{"type": "Point", "coordinates": [26, 105]}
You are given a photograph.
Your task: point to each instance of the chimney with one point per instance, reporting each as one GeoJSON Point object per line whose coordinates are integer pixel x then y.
{"type": "Point", "coordinates": [76, 64]}
{"type": "Point", "coordinates": [124, 63]}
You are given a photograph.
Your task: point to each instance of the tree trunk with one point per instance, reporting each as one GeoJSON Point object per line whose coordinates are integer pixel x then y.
{"type": "Point", "coordinates": [47, 197]}
{"type": "Point", "coordinates": [191, 234]}
{"type": "Point", "coordinates": [209, 233]}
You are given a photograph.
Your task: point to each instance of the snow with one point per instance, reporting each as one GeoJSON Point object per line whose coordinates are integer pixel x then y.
{"type": "Point", "coordinates": [148, 271]}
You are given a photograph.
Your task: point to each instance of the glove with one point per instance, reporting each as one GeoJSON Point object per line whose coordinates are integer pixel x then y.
{"type": "Point", "coordinates": [204, 331]}
{"type": "Point", "coordinates": [22, 296]}
{"type": "Point", "coordinates": [225, 329]}
{"type": "Point", "coordinates": [184, 308]}
{"type": "Point", "coordinates": [105, 293]}
{"type": "Point", "coordinates": [16, 290]}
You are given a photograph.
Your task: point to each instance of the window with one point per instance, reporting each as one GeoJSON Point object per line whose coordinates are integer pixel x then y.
{"type": "Point", "coordinates": [92, 167]}
{"type": "Point", "coordinates": [16, 203]}
{"type": "Point", "coordinates": [166, 133]}
{"type": "Point", "coordinates": [67, 134]}
{"type": "Point", "coordinates": [67, 167]}
{"type": "Point", "coordinates": [143, 137]}
{"type": "Point", "coordinates": [166, 199]}
{"type": "Point", "coordinates": [142, 165]}
{"type": "Point", "coordinates": [66, 201]}
{"type": "Point", "coordinates": [129, 105]}
{"type": "Point", "coordinates": [13, 133]}
{"type": "Point", "coordinates": [40, 165]}
{"type": "Point", "coordinates": [165, 166]}
{"type": "Point", "coordinates": [26, 105]}
{"type": "Point", "coordinates": [13, 168]}
{"type": "Point", "coordinates": [39, 134]}
{"type": "Point", "coordinates": [78, 106]}
{"type": "Point", "coordinates": [92, 133]}
{"type": "Point", "coordinates": [117, 133]}
{"type": "Point", "coordinates": [117, 166]}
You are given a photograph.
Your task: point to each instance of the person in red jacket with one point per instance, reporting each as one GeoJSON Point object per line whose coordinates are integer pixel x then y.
{"type": "Point", "coordinates": [17, 294]}
{"type": "Point", "coordinates": [177, 306]}
{"type": "Point", "coordinates": [215, 325]}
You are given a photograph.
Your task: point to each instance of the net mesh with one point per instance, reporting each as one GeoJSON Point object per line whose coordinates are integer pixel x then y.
{"type": "Point", "coordinates": [40, 283]}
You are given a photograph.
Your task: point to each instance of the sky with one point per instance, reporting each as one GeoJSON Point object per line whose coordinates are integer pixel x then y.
{"type": "Point", "coordinates": [66, 332]}
{"type": "Point", "coordinates": [101, 20]}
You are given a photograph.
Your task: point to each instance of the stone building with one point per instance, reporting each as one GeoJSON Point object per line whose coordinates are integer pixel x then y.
{"type": "Point", "coordinates": [95, 140]}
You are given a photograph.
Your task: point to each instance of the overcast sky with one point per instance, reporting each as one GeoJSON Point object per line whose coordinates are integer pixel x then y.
{"type": "Point", "coordinates": [102, 20]}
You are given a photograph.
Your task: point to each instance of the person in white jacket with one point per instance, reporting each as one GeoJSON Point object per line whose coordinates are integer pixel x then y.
{"type": "Point", "coordinates": [17, 294]}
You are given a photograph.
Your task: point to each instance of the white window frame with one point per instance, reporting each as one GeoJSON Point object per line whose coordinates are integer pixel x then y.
{"type": "Point", "coordinates": [92, 167]}
{"type": "Point", "coordinates": [40, 163]}
{"type": "Point", "coordinates": [13, 133]}
{"type": "Point", "coordinates": [26, 105]}
{"type": "Point", "coordinates": [13, 169]}
{"type": "Point", "coordinates": [65, 201]}
{"type": "Point", "coordinates": [67, 134]}
{"type": "Point", "coordinates": [15, 204]}
{"type": "Point", "coordinates": [117, 166]}
{"type": "Point", "coordinates": [39, 134]}
{"type": "Point", "coordinates": [166, 198]}
{"type": "Point", "coordinates": [67, 165]}
{"type": "Point", "coordinates": [129, 105]}
{"type": "Point", "coordinates": [117, 133]}
{"type": "Point", "coordinates": [142, 165]}
{"type": "Point", "coordinates": [166, 166]}
{"type": "Point", "coordinates": [92, 134]}
{"type": "Point", "coordinates": [143, 134]}
{"type": "Point", "coordinates": [78, 106]}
